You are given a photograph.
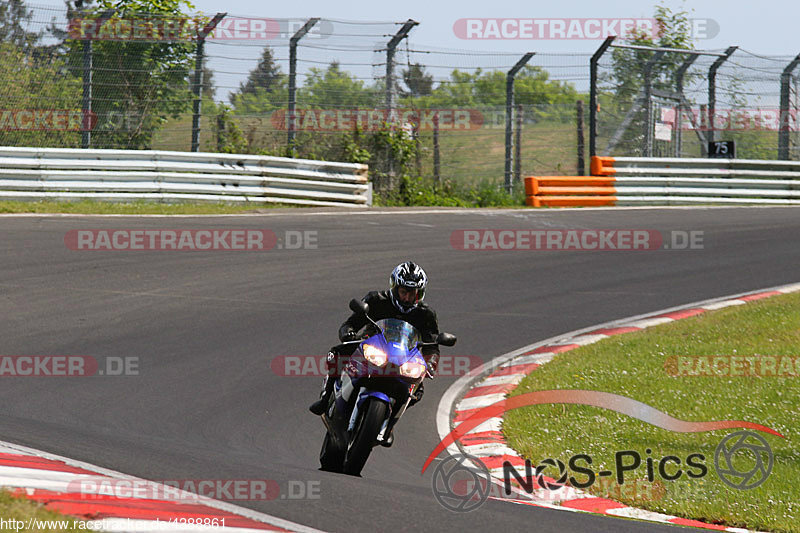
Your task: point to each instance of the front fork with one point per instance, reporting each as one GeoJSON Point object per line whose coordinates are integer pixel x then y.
{"type": "Point", "coordinates": [390, 422]}
{"type": "Point", "coordinates": [344, 393]}
{"type": "Point", "coordinates": [363, 396]}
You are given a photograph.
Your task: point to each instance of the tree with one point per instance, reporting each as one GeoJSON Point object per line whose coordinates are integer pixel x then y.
{"type": "Point", "coordinates": [137, 85]}
{"type": "Point", "coordinates": [208, 91]}
{"type": "Point", "coordinates": [625, 99]}
{"type": "Point", "coordinates": [532, 87]}
{"type": "Point", "coordinates": [418, 82]}
{"type": "Point", "coordinates": [628, 66]}
{"type": "Point", "coordinates": [264, 90]}
{"type": "Point", "coordinates": [334, 88]}
{"type": "Point", "coordinates": [267, 75]}
{"type": "Point", "coordinates": [75, 10]}
{"type": "Point", "coordinates": [458, 91]}
{"type": "Point", "coordinates": [28, 85]}
{"type": "Point", "coordinates": [14, 17]}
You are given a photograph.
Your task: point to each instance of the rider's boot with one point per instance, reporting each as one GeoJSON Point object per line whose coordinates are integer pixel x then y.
{"type": "Point", "coordinates": [320, 405]}
{"type": "Point", "coordinates": [388, 440]}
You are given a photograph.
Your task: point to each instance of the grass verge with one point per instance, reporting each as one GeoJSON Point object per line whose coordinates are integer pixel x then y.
{"type": "Point", "coordinates": [34, 516]}
{"type": "Point", "coordinates": [640, 366]}
{"type": "Point", "coordinates": [422, 192]}
{"type": "Point", "coordinates": [134, 208]}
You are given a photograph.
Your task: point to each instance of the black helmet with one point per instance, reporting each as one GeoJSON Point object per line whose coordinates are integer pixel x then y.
{"type": "Point", "coordinates": [410, 276]}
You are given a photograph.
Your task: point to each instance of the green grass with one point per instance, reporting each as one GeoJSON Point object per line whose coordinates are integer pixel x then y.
{"type": "Point", "coordinates": [633, 365]}
{"type": "Point", "coordinates": [134, 208]}
{"type": "Point", "coordinates": [467, 157]}
{"type": "Point", "coordinates": [21, 509]}
{"type": "Point", "coordinates": [471, 161]}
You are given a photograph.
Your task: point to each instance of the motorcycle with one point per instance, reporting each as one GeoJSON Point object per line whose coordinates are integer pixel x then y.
{"type": "Point", "coordinates": [373, 391]}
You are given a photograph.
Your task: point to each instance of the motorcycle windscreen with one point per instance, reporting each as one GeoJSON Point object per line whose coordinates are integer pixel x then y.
{"type": "Point", "coordinates": [400, 333]}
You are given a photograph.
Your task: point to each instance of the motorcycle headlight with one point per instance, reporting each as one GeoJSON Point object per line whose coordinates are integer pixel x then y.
{"type": "Point", "coordinates": [375, 356]}
{"type": "Point", "coordinates": [412, 369]}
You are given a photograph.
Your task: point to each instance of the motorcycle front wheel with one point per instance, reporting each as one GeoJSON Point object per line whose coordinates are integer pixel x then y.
{"type": "Point", "coordinates": [330, 457]}
{"type": "Point", "coordinates": [366, 436]}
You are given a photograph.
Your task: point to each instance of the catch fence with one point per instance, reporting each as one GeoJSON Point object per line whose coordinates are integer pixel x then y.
{"type": "Point", "coordinates": [325, 89]}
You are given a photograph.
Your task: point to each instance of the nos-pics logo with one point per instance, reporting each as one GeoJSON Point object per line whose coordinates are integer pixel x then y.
{"type": "Point", "coordinates": [743, 460]}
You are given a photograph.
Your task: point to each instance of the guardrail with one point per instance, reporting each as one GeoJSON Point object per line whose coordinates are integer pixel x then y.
{"type": "Point", "coordinates": [125, 175]}
{"type": "Point", "coordinates": [670, 181]}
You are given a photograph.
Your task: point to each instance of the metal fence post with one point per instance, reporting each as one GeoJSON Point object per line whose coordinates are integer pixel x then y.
{"type": "Point", "coordinates": [648, 107]}
{"type": "Point", "coordinates": [197, 105]}
{"type": "Point", "coordinates": [290, 148]}
{"type": "Point", "coordinates": [437, 178]}
{"type": "Point", "coordinates": [518, 145]}
{"type": "Point", "coordinates": [712, 89]}
{"type": "Point", "coordinates": [390, 50]}
{"type": "Point", "coordinates": [86, 133]}
{"type": "Point", "coordinates": [783, 125]}
{"type": "Point", "coordinates": [581, 162]}
{"type": "Point", "coordinates": [593, 93]}
{"type": "Point", "coordinates": [509, 111]}
{"type": "Point", "coordinates": [391, 46]}
{"type": "Point", "coordinates": [88, 68]}
{"type": "Point", "coordinates": [679, 76]}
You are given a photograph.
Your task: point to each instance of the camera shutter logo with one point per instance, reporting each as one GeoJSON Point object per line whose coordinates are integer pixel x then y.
{"type": "Point", "coordinates": [456, 473]}
{"type": "Point", "coordinates": [558, 483]}
{"type": "Point", "coordinates": [730, 454]}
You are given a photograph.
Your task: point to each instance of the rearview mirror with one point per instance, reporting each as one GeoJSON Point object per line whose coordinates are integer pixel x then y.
{"type": "Point", "coordinates": [446, 339]}
{"type": "Point", "coordinates": [357, 306]}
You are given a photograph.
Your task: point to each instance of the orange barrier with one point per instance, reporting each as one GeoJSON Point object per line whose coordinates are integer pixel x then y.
{"type": "Point", "coordinates": [597, 189]}
{"type": "Point", "coordinates": [667, 181]}
{"type": "Point", "coordinates": [602, 166]}
{"type": "Point", "coordinates": [577, 191]}
{"type": "Point", "coordinates": [533, 186]}
{"type": "Point", "coordinates": [570, 201]}
{"type": "Point", "coordinates": [569, 191]}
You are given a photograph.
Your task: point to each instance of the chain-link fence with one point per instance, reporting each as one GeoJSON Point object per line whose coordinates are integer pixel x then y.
{"type": "Point", "coordinates": [450, 103]}
{"type": "Point", "coordinates": [662, 103]}
{"type": "Point", "coordinates": [365, 91]}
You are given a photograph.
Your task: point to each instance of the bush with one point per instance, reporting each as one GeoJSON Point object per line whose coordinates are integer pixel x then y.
{"type": "Point", "coordinates": [416, 191]}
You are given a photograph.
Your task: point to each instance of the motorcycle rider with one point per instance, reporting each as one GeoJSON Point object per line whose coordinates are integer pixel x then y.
{"type": "Point", "coordinates": [403, 300]}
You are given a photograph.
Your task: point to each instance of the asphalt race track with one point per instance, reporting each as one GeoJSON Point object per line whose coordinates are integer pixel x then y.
{"type": "Point", "coordinates": [206, 325]}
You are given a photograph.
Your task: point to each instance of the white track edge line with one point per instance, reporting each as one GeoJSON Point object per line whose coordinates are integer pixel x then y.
{"type": "Point", "coordinates": [217, 504]}
{"type": "Point", "coordinates": [447, 404]}
{"type": "Point", "coordinates": [350, 211]}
